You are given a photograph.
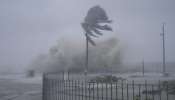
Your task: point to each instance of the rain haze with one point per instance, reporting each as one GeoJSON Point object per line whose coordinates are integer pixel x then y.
{"type": "Point", "coordinates": [30, 27]}
{"type": "Point", "coordinates": [117, 43]}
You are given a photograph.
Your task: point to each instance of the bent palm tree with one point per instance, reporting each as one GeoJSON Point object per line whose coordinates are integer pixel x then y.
{"type": "Point", "coordinates": [92, 27]}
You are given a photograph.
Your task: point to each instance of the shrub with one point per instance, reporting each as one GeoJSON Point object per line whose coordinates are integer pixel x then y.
{"type": "Point", "coordinates": [106, 79]}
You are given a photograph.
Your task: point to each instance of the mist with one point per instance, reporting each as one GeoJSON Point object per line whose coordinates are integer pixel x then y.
{"type": "Point", "coordinates": [70, 56]}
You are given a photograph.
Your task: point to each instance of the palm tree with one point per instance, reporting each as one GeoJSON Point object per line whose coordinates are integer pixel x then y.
{"type": "Point", "coordinates": [91, 25]}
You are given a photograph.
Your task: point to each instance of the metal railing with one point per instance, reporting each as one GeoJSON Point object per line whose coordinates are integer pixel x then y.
{"type": "Point", "coordinates": [58, 89]}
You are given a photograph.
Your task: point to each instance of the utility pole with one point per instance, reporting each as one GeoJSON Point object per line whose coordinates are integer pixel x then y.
{"type": "Point", "coordinates": [143, 68]}
{"type": "Point", "coordinates": [163, 48]}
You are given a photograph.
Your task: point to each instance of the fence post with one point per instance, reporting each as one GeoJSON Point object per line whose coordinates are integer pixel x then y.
{"type": "Point", "coordinates": [127, 92]}
{"type": "Point", "coordinates": [85, 85]}
{"type": "Point", "coordinates": [60, 89]}
{"type": "Point", "coordinates": [72, 89]}
{"type": "Point", "coordinates": [139, 91]}
{"type": "Point", "coordinates": [116, 89]}
{"type": "Point", "coordinates": [79, 90]}
{"type": "Point", "coordinates": [65, 89]}
{"type": "Point", "coordinates": [167, 91]}
{"type": "Point", "coordinates": [52, 89]}
{"type": "Point", "coordinates": [122, 91]}
{"type": "Point", "coordinates": [146, 89]}
{"type": "Point", "coordinates": [62, 93]}
{"type": "Point", "coordinates": [68, 89]}
{"type": "Point", "coordinates": [79, 85]}
{"type": "Point", "coordinates": [93, 91]}
{"type": "Point", "coordinates": [152, 91]}
{"type": "Point", "coordinates": [56, 89]}
{"type": "Point", "coordinates": [97, 92]}
{"type": "Point", "coordinates": [111, 90]}
{"type": "Point", "coordinates": [48, 88]}
{"type": "Point", "coordinates": [106, 91]}
{"type": "Point", "coordinates": [133, 90]}
{"type": "Point", "coordinates": [89, 89]}
{"type": "Point", "coordinates": [58, 85]}
{"type": "Point", "coordinates": [82, 90]}
{"type": "Point", "coordinates": [55, 84]}
{"type": "Point", "coordinates": [75, 83]}
{"type": "Point", "coordinates": [102, 90]}
{"type": "Point", "coordinates": [160, 91]}
{"type": "Point", "coordinates": [43, 87]}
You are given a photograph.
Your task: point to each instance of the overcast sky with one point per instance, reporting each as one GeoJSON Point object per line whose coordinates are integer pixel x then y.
{"type": "Point", "coordinates": [31, 27]}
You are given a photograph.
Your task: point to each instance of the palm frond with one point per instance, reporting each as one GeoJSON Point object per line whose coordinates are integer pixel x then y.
{"type": "Point", "coordinates": [104, 21]}
{"type": "Point", "coordinates": [105, 27]}
{"type": "Point", "coordinates": [91, 34]}
{"type": "Point", "coordinates": [96, 14]}
{"type": "Point", "coordinates": [87, 29]}
{"type": "Point", "coordinates": [90, 40]}
{"type": "Point", "coordinates": [91, 24]}
{"type": "Point", "coordinates": [97, 31]}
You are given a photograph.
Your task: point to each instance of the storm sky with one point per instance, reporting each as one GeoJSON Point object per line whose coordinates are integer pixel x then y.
{"type": "Point", "coordinates": [30, 27]}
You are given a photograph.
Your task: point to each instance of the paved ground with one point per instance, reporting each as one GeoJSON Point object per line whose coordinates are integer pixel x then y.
{"type": "Point", "coordinates": [20, 89]}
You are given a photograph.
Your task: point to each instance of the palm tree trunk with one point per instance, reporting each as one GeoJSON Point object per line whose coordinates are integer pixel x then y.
{"type": "Point", "coordinates": [87, 56]}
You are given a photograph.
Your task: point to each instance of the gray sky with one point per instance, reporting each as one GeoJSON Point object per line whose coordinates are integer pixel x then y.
{"type": "Point", "coordinates": [31, 27]}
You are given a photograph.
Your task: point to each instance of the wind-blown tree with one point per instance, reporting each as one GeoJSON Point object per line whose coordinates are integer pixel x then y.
{"type": "Point", "coordinates": [91, 25]}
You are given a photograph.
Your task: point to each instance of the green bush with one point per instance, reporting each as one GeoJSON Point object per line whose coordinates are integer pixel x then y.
{"type": "Point", "coordinates": [106, 79]}
{"type": "Point", "coordinates": [169, 86]}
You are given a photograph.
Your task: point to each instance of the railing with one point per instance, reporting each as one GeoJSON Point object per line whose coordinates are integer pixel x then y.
{"type": "Point", "coordinates": [58, 89]}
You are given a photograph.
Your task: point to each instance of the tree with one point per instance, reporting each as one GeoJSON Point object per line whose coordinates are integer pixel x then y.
{"type": "Point", "coordinates": [91, 25]}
